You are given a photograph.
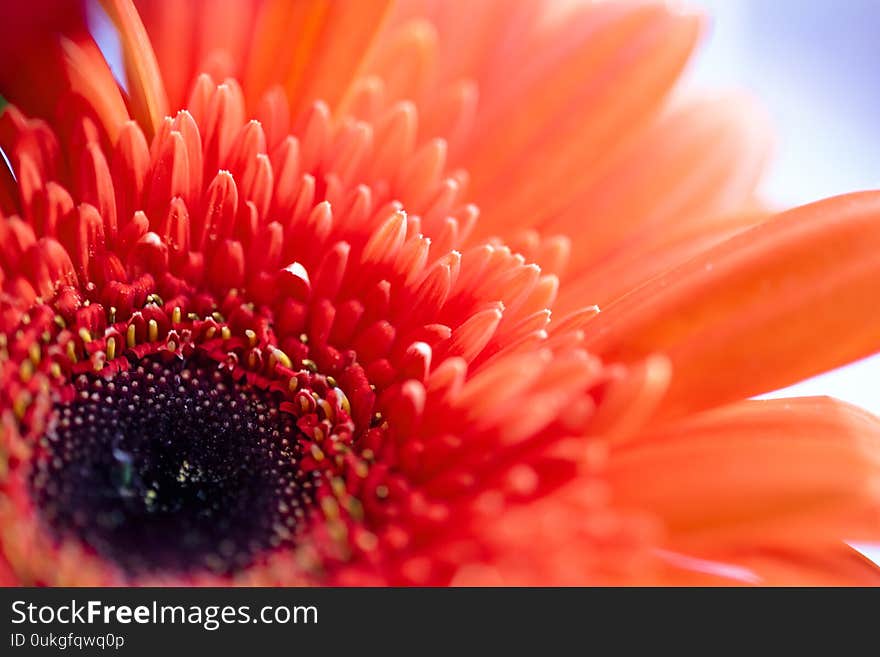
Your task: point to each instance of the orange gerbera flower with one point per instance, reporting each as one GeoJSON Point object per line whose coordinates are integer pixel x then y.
{"type": "Point", "coordinates": [253, 330]}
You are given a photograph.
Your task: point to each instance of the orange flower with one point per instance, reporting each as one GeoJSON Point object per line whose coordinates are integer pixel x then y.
{"type": "Point", "coordinates": [255, 329]}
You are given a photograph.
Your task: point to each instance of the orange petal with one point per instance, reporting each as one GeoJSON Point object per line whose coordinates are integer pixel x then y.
{"type": "Point", "coordinates": [630, 400]}
{"type": "Point", "coordinates": [701, 160]}
{"type": "Point", "coordinates": [841, 566]}
{"type": "Point", "coordinates": [220, 35]}
{"type": "Point", "coordinates": [164, 24]}
{"type": "Point", "coordinates": [783, 472]}
{"type": "Point", "coordinates": [804, 566]}
{"type": "Point", "coordinates": [568, 111]}
{"type": "Point", "coordinates": [316, 49]}
{"type": "Point", "coordinates": [89, 76]}
{"type": "Point", "coordinates": [478, 44]}
{"type": "Point", "coordinates": [770, 306]}
{"type": "Point", "coordinates": [645, 255]}
{"type": "Point", "coordinates": [145, 88]}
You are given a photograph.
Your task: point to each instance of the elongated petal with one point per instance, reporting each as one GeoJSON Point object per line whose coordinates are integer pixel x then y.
{"type": "Point", "coordinates": [700, 161]}
{"type": "Point", "coordinates": [778, 472]}
{"type": "Point", "coordinates": [754, 565]}
{"type": "Point", "coordinates": [221, 33]}
{"type": "Point", "coordinates": [775, 304]}
{"type": "Point", "coordinates": [144, 80]}
{"type": "Point", "coordinates": [567, 114]}
{"type": "Point", "coordinates": [806, 566]}
{"type": "Point", "coordinates": [647, 255]}
{"type": "Point", "coordinates": [315, 49]}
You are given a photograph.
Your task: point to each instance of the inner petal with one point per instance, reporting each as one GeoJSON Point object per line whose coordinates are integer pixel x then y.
{"type": "Point", "coordinates": [173, 466]}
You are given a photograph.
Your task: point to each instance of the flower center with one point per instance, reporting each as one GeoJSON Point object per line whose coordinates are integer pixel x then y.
{"type": "Point", "coordinates": [173, 466]}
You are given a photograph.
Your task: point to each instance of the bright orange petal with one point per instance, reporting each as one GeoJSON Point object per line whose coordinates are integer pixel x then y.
{"type": "Point", "coordinates": [798, 566]}
{"type": "Point", "coordinates": [701, 160]}
{"type": "Point", "coordinates": [646, 255]}
{"type": "Point", "coordinates": [561, 115]}
{"type": "Point", "coordinates": [315, 49]}
{"type": "Point", "coordinates": [775, 304]}
{"type": "Point", "coordinates": [781, 472]}
{"type": "Point", "coordinates": [145, 88]}
{"type": "Point", "coordinates": [841, 566]}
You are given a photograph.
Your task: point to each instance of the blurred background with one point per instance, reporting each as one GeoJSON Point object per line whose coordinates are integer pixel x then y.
{"type": "Point", "coordinates": [814, 65]}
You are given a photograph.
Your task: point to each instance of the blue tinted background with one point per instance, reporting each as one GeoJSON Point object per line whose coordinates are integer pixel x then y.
{"type": "Point", "coordinates": [814, 65]}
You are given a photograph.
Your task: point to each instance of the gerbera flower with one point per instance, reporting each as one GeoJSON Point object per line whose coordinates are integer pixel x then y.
{"type": "Point", "coordinates": [256, 330]}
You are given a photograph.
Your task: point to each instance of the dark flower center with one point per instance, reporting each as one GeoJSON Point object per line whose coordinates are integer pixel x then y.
{"type": "Point", "coordinates": [173, 466]}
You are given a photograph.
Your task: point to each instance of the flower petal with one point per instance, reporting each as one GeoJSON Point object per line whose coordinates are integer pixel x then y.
{"type": "Point", "coordinates": [149, 103]}
{"type": "Point", "coordinates": [781, 473]}
{"type": "Point", "coordinates": [799, 566]}
{"type": "Point", "coordinates": [646, 255]}
{"type": "Point", "coordinates": [315, 49]}
{"type": "Point", "coordinates": [770, 306]}
{"type": "Point", "coordinates": [701, 160]}
{"type": "Point", "coordinates": [563, 113]}
{"type": "Point", "coordinates": [32, 71]}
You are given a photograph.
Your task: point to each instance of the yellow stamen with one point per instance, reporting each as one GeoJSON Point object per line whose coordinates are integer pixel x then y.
{"type": "Point", "coordinates": [326, 407]}
{"type": "Point", "coordinates": [338, 532]}
{"type": "Point", "coordinates": [20, 405]}
{"type": "Point", "coordinates": [355, 508]}
{"type": "Point", "coordinates": [26, 371]}
{"type": "Point", "coordinates": [344, 404]}
{"type": "Point", "coordinates": [282, 358]}
{"type": "Point", "coordinates": [71, 352]}
{"type": "Point", "coordinates": [330, 507]}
